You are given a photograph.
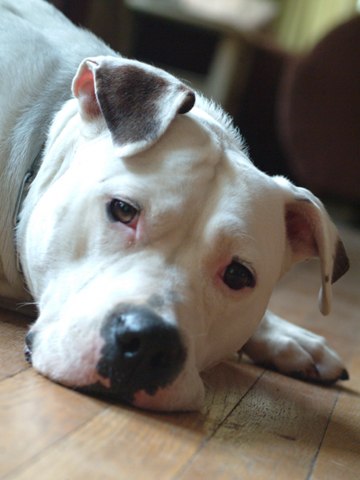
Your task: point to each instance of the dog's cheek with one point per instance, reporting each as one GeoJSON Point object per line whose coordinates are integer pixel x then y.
{"type": "Point", "coordinates": [129, 234]}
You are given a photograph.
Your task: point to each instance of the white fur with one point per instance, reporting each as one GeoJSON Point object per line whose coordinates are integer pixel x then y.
{"type": "Point", "coordinates": [202, 204]}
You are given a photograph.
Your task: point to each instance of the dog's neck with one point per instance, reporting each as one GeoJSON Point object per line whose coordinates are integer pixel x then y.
{"type": "Point", "coordinates": [52, 165]}
{"type": "Point", "coordinates": [12, 179]}
{"type": "Point", "coordinates": [29, 177]}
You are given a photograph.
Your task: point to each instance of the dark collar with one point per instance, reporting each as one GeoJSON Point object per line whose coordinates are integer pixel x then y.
{"type": "Point", "coordinates": [29, 177]}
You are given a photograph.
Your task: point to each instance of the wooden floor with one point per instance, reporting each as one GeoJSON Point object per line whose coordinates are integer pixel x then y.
{"type": "Point", "coordinates": [255, 424]}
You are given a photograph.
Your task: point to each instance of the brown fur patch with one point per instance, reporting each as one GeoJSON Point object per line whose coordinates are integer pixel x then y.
{"type": "Point", "coordinates": [341, 262]}
{"type": "Point", "coordinates": [134, 100]}
{"type": "Point", "coordinates": [128, 100]}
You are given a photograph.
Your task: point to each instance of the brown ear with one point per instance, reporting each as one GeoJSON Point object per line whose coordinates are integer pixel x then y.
{"type": "Point", "coordinates": [311, 233]}
{"type": "Point", "coordinates": [137, 101]}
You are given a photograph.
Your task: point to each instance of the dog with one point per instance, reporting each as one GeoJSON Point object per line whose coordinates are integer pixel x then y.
{"type": "Point", "coordinates": [148, 241]}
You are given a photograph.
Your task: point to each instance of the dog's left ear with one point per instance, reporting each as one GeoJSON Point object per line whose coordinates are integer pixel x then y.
{"type": "Point", "coordinates": [311, 233]}
{"type": "Point", "coordinates": [137, 101]}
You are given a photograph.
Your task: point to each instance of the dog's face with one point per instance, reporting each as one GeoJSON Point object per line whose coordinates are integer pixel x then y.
{"type": "Point", "coordinates": [153, 253]}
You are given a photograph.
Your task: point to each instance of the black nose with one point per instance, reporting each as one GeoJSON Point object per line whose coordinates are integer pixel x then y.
{"type": "Point", "coordinates": [142, 352]}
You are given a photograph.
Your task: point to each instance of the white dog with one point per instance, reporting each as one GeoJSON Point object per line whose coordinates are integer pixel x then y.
{"type": "Point", "coordinates": [148, 240]}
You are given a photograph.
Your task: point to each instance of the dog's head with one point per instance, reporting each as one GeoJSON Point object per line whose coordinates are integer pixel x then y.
{"type": "Point", "coordinates": [150, 241]}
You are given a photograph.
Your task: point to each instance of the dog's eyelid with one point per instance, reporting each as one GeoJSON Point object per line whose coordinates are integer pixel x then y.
{"type": "Point", "coordinates": [247, 264]}
{"type": "Point", "coordinates": [125, 199]}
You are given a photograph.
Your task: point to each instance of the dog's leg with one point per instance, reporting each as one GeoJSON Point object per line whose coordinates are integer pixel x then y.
{"type": "Point", "coordinates": [294, 351]}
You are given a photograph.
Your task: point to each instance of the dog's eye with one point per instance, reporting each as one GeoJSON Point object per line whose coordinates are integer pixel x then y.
{"type": "Point", "coordinates": [120, 211]}
{"type": "Point", "coordinates": [237, 276]}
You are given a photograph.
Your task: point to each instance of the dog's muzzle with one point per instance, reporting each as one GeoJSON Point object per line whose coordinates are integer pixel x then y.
{"type": "Point", "coordinates": [142, 352]}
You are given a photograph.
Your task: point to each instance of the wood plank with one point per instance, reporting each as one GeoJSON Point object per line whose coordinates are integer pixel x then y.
{"type": "Point", "coordinates": [339, 455]}
{"type": "Point", "coordinates": [35, 413]}
{"type": "Point", "coordinates": [274, 433]}
{"type": "Point", "coordinates": [125, 443]}
{"type": "Point", "coordinates": [13, 328]}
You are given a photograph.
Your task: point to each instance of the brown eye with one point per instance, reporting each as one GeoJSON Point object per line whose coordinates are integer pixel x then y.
{"type": "Point", "coordinates": [237, 276]}
{"type": "Point", "coordinates": [120, 211]}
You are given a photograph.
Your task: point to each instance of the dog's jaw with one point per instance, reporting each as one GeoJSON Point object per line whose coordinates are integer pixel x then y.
{"type": "Point", "coordinates": [176, 397]}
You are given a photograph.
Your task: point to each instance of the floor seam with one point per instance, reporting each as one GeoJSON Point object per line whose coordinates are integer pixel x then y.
{"type": "Point", "coordinates": [322, 439]}
{"type": "Point", "coordinates": [183, 469]}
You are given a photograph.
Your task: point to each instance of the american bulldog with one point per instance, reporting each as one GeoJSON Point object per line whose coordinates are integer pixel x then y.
{"type": "Point", "coordinates": [145, 236]}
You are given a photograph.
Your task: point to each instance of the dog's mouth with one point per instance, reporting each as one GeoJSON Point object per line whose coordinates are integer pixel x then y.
{"type": "Point", "coordinates": [185, 393]}
{"type": "Point", "coordinates": [144, 379]}
{"type": "Point", "coordinates": [99, 390]}
{"type": "Point", "coordinates": [27, 354]}
{"type": "Point", "coordinates": [29, 340]}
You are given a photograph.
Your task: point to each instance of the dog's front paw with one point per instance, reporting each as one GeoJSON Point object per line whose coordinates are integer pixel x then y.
{"type": "Point", "coordinates": [304, 355]}
{"type": "Point", "coordinates": [294, 351]}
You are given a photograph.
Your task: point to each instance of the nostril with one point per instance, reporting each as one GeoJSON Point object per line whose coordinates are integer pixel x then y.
{"type": "Point", "coordinates": [130, 346]}
{"type": "Point", "coordinates": [150, 347]}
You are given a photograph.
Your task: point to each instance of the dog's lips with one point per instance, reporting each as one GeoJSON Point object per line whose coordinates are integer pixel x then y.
{"type": "Point", "coordinates": [29, 340]}
{"type": "Point", "coordinates": [102, 389]}
{"type": "Point", "coordinates": [175, 396]}
{"type": "Point", "coordinates": [170, 399]}
{"type": "Point", "coordinates": [28, 354]}
{"type": "Point", "coordinates": [143, 400]}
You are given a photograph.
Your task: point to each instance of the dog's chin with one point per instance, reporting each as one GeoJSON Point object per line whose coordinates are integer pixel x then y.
{"type": "Point", "coordinates": [179, 396]}
{"type": "Point", "coordinates": [168, 399]}
{"type": "Point", "coordinates": [186, 393]}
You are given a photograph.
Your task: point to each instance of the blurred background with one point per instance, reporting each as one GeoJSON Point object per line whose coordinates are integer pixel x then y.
{"type": "Point", "coordinates": [288, 71]}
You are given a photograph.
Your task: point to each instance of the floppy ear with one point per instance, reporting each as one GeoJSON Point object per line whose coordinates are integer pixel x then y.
{"type": "Point", "coordinates": [137, 101]}
{"type": "Point", "coordinates": [311, 233]}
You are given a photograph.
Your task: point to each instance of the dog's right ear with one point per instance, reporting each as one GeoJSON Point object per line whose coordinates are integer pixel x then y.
{"type": "Point", "coordinates": [137, 101]}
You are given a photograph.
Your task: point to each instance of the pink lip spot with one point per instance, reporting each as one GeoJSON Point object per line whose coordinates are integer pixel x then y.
{"type": "Point", "coordinates": [151, 402]}
{"type": "Point", "coordinates": [104, 381]}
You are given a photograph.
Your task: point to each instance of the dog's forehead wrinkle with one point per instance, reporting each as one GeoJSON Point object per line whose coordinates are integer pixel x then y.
{"type": "Point", "coordinates": [220, 123]}
{"type": "Point", "coordinates": [232, 242]}
{"type": "Point", "coordinates": [184, 149]}
{"type": "Point", "coordinates": [189, 164]}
